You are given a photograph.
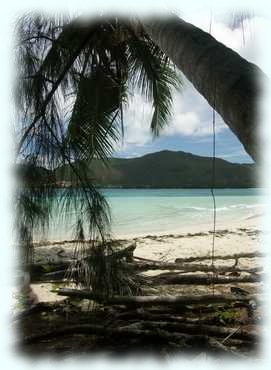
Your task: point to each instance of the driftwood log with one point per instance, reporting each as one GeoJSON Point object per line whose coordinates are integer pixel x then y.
{"type": "Point", "coordinates": [180, 263]}
{"type": "Point", "coordinates": [154, 322]}
{"type": "Point", "coordinates": [90, 329]}
{"type": "Point", "coordinates": [57, 270]}
{"type": "Point", "coordinates": [178, 340]}
{"type": "Point", "coordinates": [193, 317]}
{"type": "Point", "coordinates": [221, 257]}
{"type": "Point", "coordinates": [198, 329]}
{"type": "Point", "coordinates": [60, 275]}
{"type": "Point", "coordinates": [203, 279]}
{"type": "Point", "coordinates": [193, 267]}
{"type": "Point", "coordinates": [155, 300]}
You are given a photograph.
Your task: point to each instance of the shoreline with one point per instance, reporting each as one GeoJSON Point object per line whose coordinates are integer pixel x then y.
{"type": "Point", "coordinates": [252, 222]}
{"type": "Point", "coordinates": [165, 247]}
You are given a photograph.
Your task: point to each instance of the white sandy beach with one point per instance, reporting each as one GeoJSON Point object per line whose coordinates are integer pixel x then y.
{"type": "Point", "coordinates": [238, 238]}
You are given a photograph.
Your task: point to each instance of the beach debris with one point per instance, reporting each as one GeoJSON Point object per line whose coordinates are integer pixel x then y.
{"type": "Point", "coordinates": [212, 323]}
{"type": "Point", "coordinates": [239, 291]}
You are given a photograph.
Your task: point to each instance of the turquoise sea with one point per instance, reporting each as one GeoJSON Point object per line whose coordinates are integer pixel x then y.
{"type": "Point", "coordinates": [155, 211]}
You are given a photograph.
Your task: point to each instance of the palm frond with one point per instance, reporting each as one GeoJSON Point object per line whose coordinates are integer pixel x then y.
{"type": "Point", "coordinates": [94, 124]}
{"type": "Point", "coordinates": [155, 76]}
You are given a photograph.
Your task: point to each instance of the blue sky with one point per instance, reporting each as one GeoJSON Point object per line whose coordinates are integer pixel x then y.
{"type": "Point", "coordinates": [190, 126]}
{"type": "Point", "coordinates": [227, 147]}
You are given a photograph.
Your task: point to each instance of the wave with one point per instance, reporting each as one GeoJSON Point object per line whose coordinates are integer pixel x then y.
{"type": "Point", "coordinates": [246, 206]}
{"type": "Point", "coordinates": [225, 208]}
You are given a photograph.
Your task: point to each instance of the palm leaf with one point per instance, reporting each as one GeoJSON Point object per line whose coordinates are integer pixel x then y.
{"type": "Point", "coordinates": [154, 75]}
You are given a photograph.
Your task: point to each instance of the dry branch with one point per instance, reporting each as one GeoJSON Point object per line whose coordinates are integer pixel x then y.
{"type": "Point", "coordinates": [192, 267]}
{"type": "Point", "coordinates": [177, 317]}
{"type": "Point", "coordinates": [203, 279]}
{"type": "Point", "coordinates": [108, 332]}
{"type": "Point", "coordinates": [154, 300]}
{"type": "Point", "coordinates": [61, 269]}
{"type": "Point", "coordinates": [57, 270]}
{"type": "Point", "coordinates": [199, 329]}
{"type": "Point", "coordinates": [182, 340]}
{"type": "Point", "coordinates": [126, 252]}
{"type": "Point", "coordinates": [235, 256]}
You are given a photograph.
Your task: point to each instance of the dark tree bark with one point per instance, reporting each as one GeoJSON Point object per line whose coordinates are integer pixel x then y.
{"type": "Point", "coordinates": [229, 83]}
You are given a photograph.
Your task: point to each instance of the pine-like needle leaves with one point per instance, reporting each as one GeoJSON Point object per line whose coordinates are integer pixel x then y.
{"type": "Point", "coordinates": [73, 81]}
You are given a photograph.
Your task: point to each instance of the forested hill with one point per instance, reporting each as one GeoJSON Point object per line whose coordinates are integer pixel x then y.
{"type": "Point", "coordinates": [165, 169]}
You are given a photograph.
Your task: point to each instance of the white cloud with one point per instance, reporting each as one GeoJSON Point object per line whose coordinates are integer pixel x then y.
{"type": "Point", "coordinates": [137, 118]}
{"type": "Point", "coordinates": [186, 123]}
{"type": "Point", "coordinates": [191, 114]}
{"type": "Point", "coordinates": [245, 39]}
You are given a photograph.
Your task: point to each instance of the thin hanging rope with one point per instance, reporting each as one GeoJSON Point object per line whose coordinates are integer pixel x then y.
{"type": "Point", "coordinates": [213, 179]}
{"type": "Point", "coordinates": [214, 200]}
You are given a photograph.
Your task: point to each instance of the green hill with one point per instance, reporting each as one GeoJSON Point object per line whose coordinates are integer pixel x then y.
{"type": "Point", "coordinates": [165, 169]}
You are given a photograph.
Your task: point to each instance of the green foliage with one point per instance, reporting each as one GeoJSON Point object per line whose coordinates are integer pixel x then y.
{"type": "Point", "coordinates": [152, 73]}
{"type": "Point", "coordinates": [104, 273]}
{"type": "Point", "coordinates": [74, 80]}
{"type": "Point", "coordinates": [166, 169]}
{"type": "Point", "coordinates": [226, 316]}
{"type": "Point", "coordinates": [73, 84]}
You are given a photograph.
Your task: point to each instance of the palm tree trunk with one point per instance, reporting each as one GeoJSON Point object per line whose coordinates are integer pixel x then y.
{"type": "Point", "coordinates": [229, 83]}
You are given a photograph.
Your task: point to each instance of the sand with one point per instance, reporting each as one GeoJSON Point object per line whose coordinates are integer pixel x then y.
{"type": "Point", "coordinates": [168, 247]}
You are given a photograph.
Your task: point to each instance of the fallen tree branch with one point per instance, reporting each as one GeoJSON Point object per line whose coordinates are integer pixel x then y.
{"type": "Point", "coordinates": [51, 276]}
{"type": "Point", "coordinates": [235, 256]}
{"type": "Point", "coordinates": [199, 329]}
{"type": "Point", "coordinates": [154, 300]}
{"type": "Point", "coordinates": [221, 347]}
{"type": "Point", "coordinates": [146, 259]}
{"type": "Point", "coordinates": [39, 307]}
{"type": "Point", "coordinates": [193, 267]}
{"type": "Point", "coordinates": [127, 253]}
{"type": "Point", "coordinates": [203, 279]}
{"type": "Point", "coordinates": [56, 270]}
{"type": "Point", "coordinates": [144, 315]}
{"type": "Point", "coordinates": [58, 275]}
{"type": "Point", "coordinates": [90, 329]}
{"type": "Point", "coordinates": [136, 315]}
{"type": "Point", "coordinates": [183, 340]}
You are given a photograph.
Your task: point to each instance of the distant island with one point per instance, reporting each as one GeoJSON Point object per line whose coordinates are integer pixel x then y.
{"type": "Point", "coordinates": [164, 169]}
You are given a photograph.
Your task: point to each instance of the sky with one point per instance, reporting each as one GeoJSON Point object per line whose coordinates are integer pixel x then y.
{"type": "Point", "coordinates": [190, 126]}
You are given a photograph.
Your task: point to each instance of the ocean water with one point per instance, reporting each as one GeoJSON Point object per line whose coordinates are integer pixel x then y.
{"type": "Point", "coordinates": [162, 211]}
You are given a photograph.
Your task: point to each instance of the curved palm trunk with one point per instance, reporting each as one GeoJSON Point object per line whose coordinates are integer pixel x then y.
{"type": "Point", "coordinates": [228, 82]}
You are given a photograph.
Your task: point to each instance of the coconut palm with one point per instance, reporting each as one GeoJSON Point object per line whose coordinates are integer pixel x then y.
{"type": "Point", "coordinates": [77, 75]}
{"type": "Point", "coordinates": [229, 83]}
